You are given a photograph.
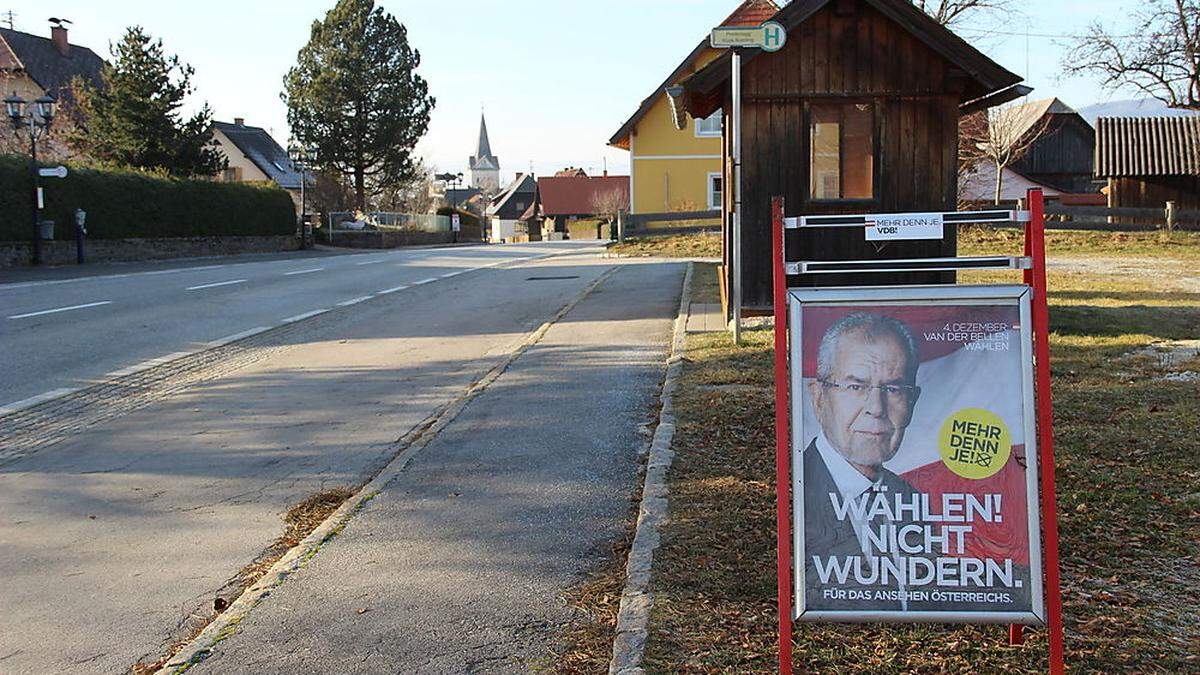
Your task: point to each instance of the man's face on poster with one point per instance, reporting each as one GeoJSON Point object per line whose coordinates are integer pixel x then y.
{"type": "Point", "coordinates": [866, 400]}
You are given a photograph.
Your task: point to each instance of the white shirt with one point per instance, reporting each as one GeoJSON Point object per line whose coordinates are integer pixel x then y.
{"type": "Point", "coordinates": [852, 485]}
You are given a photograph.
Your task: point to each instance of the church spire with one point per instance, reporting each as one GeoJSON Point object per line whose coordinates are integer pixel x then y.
{"type": "Point", "coordinates": [484, 149]}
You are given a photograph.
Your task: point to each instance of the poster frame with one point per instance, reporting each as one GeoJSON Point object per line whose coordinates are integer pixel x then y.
{"type": "Point", "coordinates": [1018, 295]}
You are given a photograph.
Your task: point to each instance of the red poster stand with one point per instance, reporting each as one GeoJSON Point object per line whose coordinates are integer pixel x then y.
{"type": "Point", "coordinates": [1035, 277]}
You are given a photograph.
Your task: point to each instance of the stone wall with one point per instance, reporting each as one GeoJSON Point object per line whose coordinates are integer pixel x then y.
{"type": "Point", "coordinates": [13, 254]}
{"type": "Point", "coordinates": [384, 238]}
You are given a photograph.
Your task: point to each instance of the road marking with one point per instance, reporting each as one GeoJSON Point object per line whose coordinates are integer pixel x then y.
{"type": "Point", "coordinates": [146, 365]}
{"type": "Point", "coordinates": [451, 274]}
{"type": "Point", "coordinates": [370, 262]}
{"type": "Point", "coordinates": [60, 309]}
{"type": "Point", "coordinates": [355, 301]}
{"type": "Point", "coordinates": [238, 336]}
{"type": "Point", "coordinates": [34, 400]}
{"type": "Point", "coordinates": [219, 283]}
{"type": "Point", "coordinates": [306, 315]}
{"type": "Point", "coordinates": [315, 269]}
{"type": "Point", "coordinates": [424, 281]}
{"type": "Point", "coordinates": [392, 290]}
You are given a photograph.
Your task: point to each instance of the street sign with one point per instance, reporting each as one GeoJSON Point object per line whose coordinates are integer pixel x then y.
{"type": "Point", "coordinates": [455, 224]}
{"type": "Point", "coordinates": [770, 36]}
{"type": "Point", "coordinates": [56, 172]}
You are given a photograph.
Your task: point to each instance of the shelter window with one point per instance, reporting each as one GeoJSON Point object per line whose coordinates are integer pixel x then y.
{"type": "Point", "coordinates": [843, 151]}
{"type": "Point", "coordinates": [709, 127]}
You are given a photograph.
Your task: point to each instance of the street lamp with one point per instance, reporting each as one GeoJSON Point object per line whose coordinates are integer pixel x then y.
{"type": "Point", "coordinates": [301, 157]}
{"type": "Point", "coordinates": [36, 121]}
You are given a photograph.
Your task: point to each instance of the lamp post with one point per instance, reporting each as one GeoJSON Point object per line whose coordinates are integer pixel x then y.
{"type": "Point", "coordinates": [36, 120]}
{"type": "Point", "coordinates": [301, 158]}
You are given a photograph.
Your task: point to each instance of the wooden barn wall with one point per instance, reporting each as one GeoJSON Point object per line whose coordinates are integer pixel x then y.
{"type": "Point", "coordinates": [1063, 157]}
{"type": "Point", "coordinates": [1155, 192]}
{"type": "Point", "coordinates": [863, 56]}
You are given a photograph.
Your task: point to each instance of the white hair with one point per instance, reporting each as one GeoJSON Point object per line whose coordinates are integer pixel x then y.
{"type": "Point", "coordinates": [872, 326]}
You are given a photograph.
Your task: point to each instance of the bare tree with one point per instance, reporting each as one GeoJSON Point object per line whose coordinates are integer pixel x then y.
{"type": "Point", "coordinates": [999, 137]}
{"type": "Point", "coordinates": [948, 12]}
{"type": "Point", "coordinates": [606, 204]}
{"type": "Point", "coordinates": [1160, 56]}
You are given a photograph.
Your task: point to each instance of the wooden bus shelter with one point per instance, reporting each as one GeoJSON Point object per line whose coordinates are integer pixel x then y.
{"type": "Point", "coordinates": [857, 113]}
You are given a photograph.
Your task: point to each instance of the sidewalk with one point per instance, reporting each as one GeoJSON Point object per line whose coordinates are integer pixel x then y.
{"type": "Point", "coordinates": [460, 564]}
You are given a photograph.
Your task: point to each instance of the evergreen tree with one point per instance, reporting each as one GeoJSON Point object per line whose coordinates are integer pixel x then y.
{"type": "Point", "coordinates": [134, 118]}
{"type": "Point", "coordinates": [353, 96]}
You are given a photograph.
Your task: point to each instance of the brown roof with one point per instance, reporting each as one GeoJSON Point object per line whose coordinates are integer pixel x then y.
{"type": "Point", "coordinates": [573, 195]}
{"type": "Point", "coordinates": [748, 13]}
{"type": "Point", "coordinates": [986, 76]}
{"type": "Point", "coordinates": [1148, 146]}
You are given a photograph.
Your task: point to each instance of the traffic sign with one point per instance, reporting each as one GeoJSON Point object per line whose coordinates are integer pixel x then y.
{"type": "Point", "coordinates": [769, 37]}
{"type": "Point", "coordinates": [56, 172]}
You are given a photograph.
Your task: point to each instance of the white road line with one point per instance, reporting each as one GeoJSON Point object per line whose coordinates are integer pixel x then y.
{"type": "Point", "coordinates": [451, 274]}
{"type": "Point", "coordinates": [60, 309]}
{"type": "Point", "coordinates": [306, 315]}
{"type": "Point", "coordinates": [146, 365]}
{"type": "Point", "coordinates": [238, 336]}
{"type": "Point", "coordinates": [315, 269]}
{"type": "Point", "coordinates": [34, 400]}
{"type": "Point", "coordinates": [355, 301]}
{"type": "Point", "coordinates": [424, 281]}
{"type": "Point", "coordinates": [370, 262]}
{"type": "Point", "coordinates": [392, 290]}
{"type": "Point", "coordinates": [219, 283]}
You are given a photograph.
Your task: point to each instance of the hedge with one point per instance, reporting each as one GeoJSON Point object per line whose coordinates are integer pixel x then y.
{"type": "Point", "coordinates": [128, 204]}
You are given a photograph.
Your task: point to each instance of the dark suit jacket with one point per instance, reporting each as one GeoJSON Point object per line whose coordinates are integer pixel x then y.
{"type": "Point", "coordinates": [825, 535]}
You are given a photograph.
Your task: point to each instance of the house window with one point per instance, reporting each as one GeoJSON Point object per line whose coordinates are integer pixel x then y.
{"type": "Point", "coordinates": [843, 151]}
{"type": "Point", "coordinates": [709, 127]}
{"type": "Point", "coordinates": [232, 174]}
{"type": "Point", "coordinates": [715, 183]}
{"type": "Point", "coordinates": [521, 206]}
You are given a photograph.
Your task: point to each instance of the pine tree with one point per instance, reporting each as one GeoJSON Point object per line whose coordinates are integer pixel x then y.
{"type": "Point", "coordinates": [354, 96]}
{"type": "Point", "coordinates": [134, 119]}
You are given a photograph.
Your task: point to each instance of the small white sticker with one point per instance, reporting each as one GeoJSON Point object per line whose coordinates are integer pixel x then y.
{"type": "Point", "coordinates": [899, 226]}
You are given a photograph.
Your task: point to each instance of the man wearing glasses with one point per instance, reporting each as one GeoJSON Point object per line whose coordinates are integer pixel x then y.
{"type": "Point", "coordinates": [863, 398]}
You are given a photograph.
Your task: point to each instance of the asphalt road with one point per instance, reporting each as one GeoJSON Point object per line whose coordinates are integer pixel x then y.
{"type": "Point", "coordinates": [461, 563]}
{"type": "Point", "coordinates": [61, 331]}
{"type": "Point", "coordinates": [116, 537]}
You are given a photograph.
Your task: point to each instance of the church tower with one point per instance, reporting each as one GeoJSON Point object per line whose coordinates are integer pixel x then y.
{"type": "Point", "coordinates": [484, 167]}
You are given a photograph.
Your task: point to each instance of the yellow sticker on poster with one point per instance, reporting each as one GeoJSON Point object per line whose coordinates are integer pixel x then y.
{"type": "Point", "coordinates": [975, 443]}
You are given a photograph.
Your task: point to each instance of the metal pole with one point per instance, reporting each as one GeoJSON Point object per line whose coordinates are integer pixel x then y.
{"type": "Point", "coordinates": [1045, 430]}
{"type": "Point", "coordinates": [33, 170]}
{"type": "Point", "coordinates": [736, 260]}
{"type": "Point", "coordinates": [783, 528]}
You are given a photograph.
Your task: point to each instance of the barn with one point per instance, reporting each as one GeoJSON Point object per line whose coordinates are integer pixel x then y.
{"type": "Point", "coordinates": [858, 112]}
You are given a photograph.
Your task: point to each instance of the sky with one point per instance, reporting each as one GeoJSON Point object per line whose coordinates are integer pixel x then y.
{"type": "Point", "coordinates": [556, 78]}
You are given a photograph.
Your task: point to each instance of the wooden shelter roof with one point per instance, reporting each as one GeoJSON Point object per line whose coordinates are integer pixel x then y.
{"type": "Point", "coordinates": [987, 80]}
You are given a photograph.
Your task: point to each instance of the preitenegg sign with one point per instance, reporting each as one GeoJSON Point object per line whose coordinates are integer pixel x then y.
{"type": "Point", "coordinates": [769, 37]}
{"type": "Point", "coordinates": [914, 455]}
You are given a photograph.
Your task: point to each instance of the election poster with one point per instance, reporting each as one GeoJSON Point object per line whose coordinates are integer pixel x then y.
{"type": "Point", "coordinates": [913, 455]}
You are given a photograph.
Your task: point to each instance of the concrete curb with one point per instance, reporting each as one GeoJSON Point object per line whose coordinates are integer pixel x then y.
{"type": "Point", "coordinates": [633, 616]}
{"type": "Point", "coordinates": [226, 623]}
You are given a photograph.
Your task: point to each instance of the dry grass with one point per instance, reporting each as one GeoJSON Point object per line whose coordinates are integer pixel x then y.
{"type": "Point", "coordinates": [299, 521]}
{"type": "Point", "coordinates": [972, 241]}
{"type": "Point", "coordinates": [671, 246]}
{"type": "Point", "coordinates": [1128, 457]}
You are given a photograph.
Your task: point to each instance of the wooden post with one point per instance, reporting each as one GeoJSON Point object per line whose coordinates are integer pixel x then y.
{"type": "Point", "coordinates": [1170, 216]}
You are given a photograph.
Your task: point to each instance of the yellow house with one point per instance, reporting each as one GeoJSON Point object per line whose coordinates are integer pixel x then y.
{"type": "Point", "coordinates": [673, 170]}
